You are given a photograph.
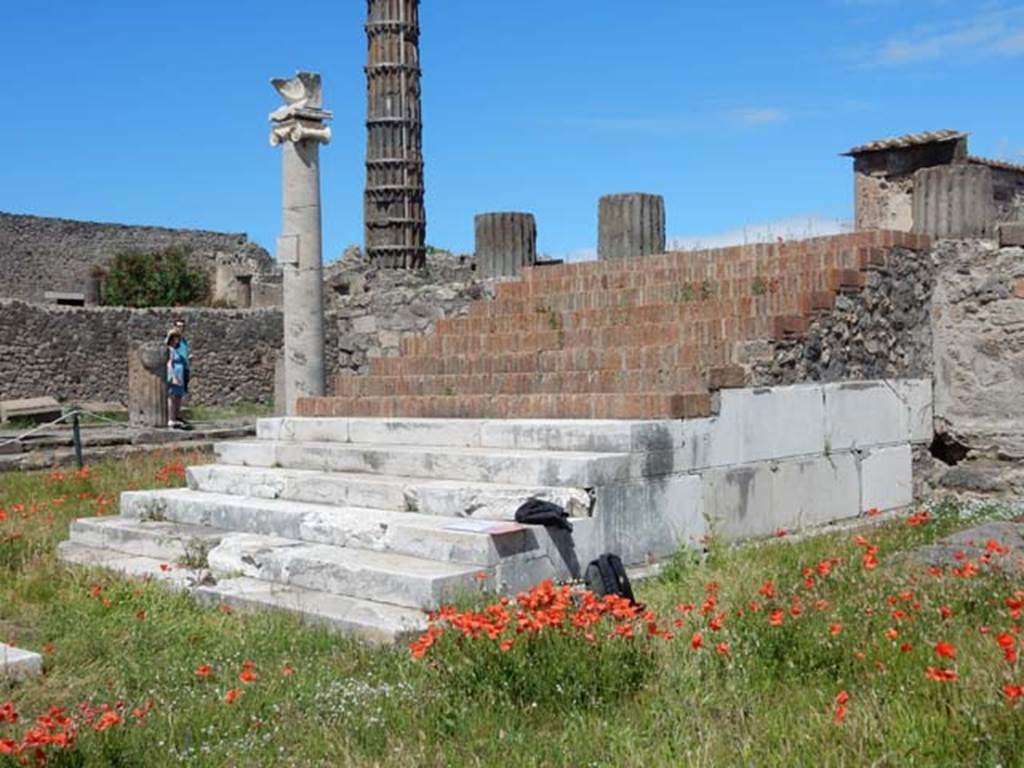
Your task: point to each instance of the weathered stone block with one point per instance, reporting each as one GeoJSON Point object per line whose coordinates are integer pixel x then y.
{"type": "Point", "coordinates": [887, 478]}
{"type": "Point", "coordinates": [32, 408]}
{"type": "Point", "coordinates": [17, 663]}
{"type": "Point", "coordinates": [862, 414]}
{"type": "Point", "coordinates": [1011, 234]}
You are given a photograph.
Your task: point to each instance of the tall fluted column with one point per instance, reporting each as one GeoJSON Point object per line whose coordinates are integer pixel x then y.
{"type": "Point", "coordinates": [298, 127]}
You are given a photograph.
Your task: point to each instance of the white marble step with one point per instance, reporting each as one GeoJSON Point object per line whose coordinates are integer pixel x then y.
{"type": "Point", "coordinates": [595, 436]}
{"type": "Point", "coordinates": [445, 498]}
{"type": "Point", "coordinates": [368, 620]}
{"type": "Point", "coordinates": [488, 465]}
{"type": "Point", "coordinates": [365, 619]}
{"type": "Point", "coordinates": [169, 542]}
{"type": "Point", "coordinates": [385, 577]}
{"type": "Point", "coordinates": [480, 543]}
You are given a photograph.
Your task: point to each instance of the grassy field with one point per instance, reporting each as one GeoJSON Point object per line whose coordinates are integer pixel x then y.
{"type": "Point", "coordinates": [824, 651]}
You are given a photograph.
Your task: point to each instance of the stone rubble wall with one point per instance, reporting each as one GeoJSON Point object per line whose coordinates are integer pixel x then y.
{"type": "Point", "coordinates": [978, 326]}
{"type": "Point", "coordinates": [81, 354]}
{"type": "Point", "coordinates": [372, 308]}
{"type": "Point", "coordinates": [77, 353]}
{"type": "Point", "coordinates": [881, 331]}
{"type": "Point", "coordinates": [40, 254]}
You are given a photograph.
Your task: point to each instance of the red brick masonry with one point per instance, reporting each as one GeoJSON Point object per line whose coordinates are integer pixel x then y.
{"type": "Point", "coordinates": [649, 337]}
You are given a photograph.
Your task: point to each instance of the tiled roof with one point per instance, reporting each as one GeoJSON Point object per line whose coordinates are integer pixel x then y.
{"type": "Point", "coordinates": [909, 140]}
{"type": "Point", "coordinates": [1001, 164]}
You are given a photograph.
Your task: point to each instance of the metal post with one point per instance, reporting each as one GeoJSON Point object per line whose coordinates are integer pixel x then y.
{"type": "Point", "coordinates": [76, 438]}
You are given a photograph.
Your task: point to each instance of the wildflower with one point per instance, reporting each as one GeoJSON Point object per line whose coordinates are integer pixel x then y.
{"type": "Point", "coordinates": [140, 615]}
{"type": "Point", "coordinates": [287, 670]}
{"type": "Point", "coordinates": [906, 648]}
{"type": "Point", "coordinates": [840, 711]}
{"type": "Point", "coordinates": [722, 649]}
{"type": "Point", "coordinates": [232, 695]}
{"type": "Point", "coordinates": [226, 609]}
{"type": "Point", "coordinates": [768, 589]}
{"type": "Point", "coordinates": [165, 567]}
{"type": "Point", "coordinates": [697, 641]}
{"type": "Point", "coordinates": [481, 576]}
{"type": "Point", "coordinates": [920, 518]}
{"type": "Point", "coordinates": [203, 670]}
{"type": "Point", "coordinates": [941, 675]}
{"type": "Point", "coordinates": [108, 719]}
{"type": "Point", "coordinates": [945, 611]}
{"type": "Point", "coordinates": [835, 629]}
{"type": "Point", "coordinates": [892, 633]}
{"type": "Point", "coordinates": [945, 650]}
{"type": "Point", "coordinates": [781, 533]}
{"type": "Point", "coordinates": [776, 618]}
{"type": "Point", "coordinates": [506, 645]}
{"type": "Point", "coordinates": [1013, 692]}
{"type": "Point", "coordinates": [8, 713]}
{"type": "Point", "coordinates": [873, 512]}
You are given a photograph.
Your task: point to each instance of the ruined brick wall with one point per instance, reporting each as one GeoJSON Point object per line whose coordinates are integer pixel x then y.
{"type": "Point", "coordinates": [878, 328]}
{"type": "Point", "coordinates": [42, 254]}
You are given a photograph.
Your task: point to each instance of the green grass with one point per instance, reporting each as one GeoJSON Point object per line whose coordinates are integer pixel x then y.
{"type": "Point", "coordinates": [558, 702]}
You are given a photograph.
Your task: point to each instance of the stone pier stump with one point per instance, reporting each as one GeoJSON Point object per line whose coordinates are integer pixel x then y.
{"type": "Point", "coordinates": [147, 385]}
{"type": "Point", "coordinates": [505, 243]}
{"type": "Point", "coordinates": [630, 225]}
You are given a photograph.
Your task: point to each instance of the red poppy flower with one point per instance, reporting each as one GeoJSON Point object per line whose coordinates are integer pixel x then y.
{"type": "Point", "coordinates": [232, 696]}
{"type": "Point", "coordinates": [697, 641]}
{"type": "Point", "coordinates": [722, 649]}
{"type": "Point", "coordinates": [945, 650]}
{"type": "Point", "coordinates": [835, 629]}
{"type": "Point", "coordinates": [842, 698]}
{"type": "Point", "coordinates": [941, 675]}
{"type": "Point", "coordinates": [776, 618]}
{"type": "Point", "coordinates": [203, 670]}
{"type": "Point", "coordinates": [1013, 692]}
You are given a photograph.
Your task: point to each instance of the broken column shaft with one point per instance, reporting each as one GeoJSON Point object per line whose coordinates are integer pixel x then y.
{"type": "Point", "coordinates": [505, 243]}
{"type": "Point", "coordinates": [299, 128]}
{"type": "Point", "coordinates": [630, 225]}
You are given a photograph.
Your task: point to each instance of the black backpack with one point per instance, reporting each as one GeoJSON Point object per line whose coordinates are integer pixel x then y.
{"type": "Point", "coordinates": [606, 576]}
{"type": "Point", "coordinates": [538, 512]}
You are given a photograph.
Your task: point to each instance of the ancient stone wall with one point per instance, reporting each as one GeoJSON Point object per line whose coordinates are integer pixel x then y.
{"type": "Point", "coordinates": [372, 307]}
{"type": "Point", "coordinates": [978, 320]}
{"type": "Point", "coordinates": [41, 254]}
{"type": "Point", "coordinates": [81, 354]}
{"type": "Point", "coordinates": [881, 331]}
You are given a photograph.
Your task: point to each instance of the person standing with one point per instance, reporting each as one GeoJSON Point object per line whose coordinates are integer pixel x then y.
{"type": "Point", "coordinates": [177, 381]}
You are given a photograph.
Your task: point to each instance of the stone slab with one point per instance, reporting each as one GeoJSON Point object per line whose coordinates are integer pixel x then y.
{"type": "Point", "coordinates": [768, 423]}
{"type": "Point", "coordinates": [918, 401]}
{"type": "Point", "coordinates": [18, 664]}
{"type": "Point", "coordinates": [444, 498]}
{"type": "Point", "coordinates": [1011, 234]}
{"type": "Point", "coordinates": [369, 621]}
{"type": "Point", "coordinates": [165, 541]}
{"type": "Point", "coordinates": [863, 414]}
{"type": "Point", "coordinates": [550, 468]}
{"type": "Point", "coordinates": [34, 408]}
{"type": "Point", "coordinates": [376, 530]}
{"type": "Point", "coordinates": [756, 500]}
{"type": "Point", "coordinates": [887, 478]}
{"type": "Point", "coordinates": [379, 576]}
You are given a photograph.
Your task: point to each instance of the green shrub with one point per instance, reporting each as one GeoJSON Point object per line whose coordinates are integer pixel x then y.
{"type": "Point", "coordinates": [153, 279]}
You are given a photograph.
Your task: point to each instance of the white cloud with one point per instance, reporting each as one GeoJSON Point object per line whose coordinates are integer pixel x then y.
{"type": "Point", "coordinates": [755, 116]}
{"type": "Point", "coordinates": [999, 32]}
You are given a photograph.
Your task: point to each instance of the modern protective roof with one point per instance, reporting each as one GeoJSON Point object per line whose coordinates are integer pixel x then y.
{"type": "Point", "coordinates": [908, 140]}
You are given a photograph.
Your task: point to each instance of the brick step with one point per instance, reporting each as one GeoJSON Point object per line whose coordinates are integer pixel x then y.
{"type": "Point", "coordinates": [699, 332]}
{"type": "Point", "coordinates": [625, 381]}
{"type": "Point", "coordinates": [743, 276]}
{"type": "Point", "coordinates": [785, 295]}
{"type": "Point", "coordinates": [648, 357]}
{"type": "Point", "coordinates": [563, 406]}
{"type": "Point", "coordinates": [499, 321]}
{"type": "Point", "coordinates": [800, 250]}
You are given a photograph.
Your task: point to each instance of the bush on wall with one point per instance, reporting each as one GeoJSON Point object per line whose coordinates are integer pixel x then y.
{"type": "Point", "coordinates": [153, 279]}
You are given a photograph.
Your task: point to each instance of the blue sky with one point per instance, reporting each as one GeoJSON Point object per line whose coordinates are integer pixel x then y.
{"type": "Point", "coordinates": [156, 113]}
